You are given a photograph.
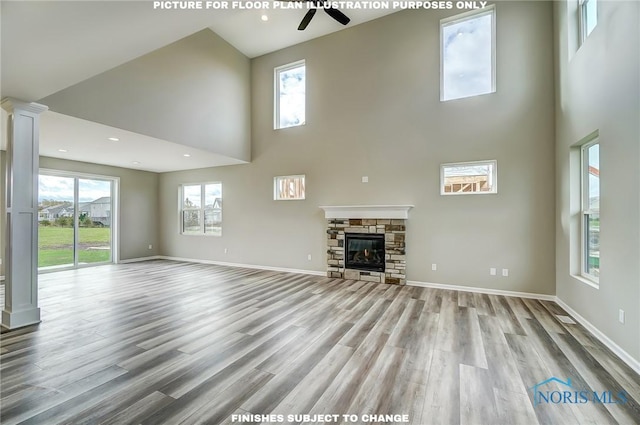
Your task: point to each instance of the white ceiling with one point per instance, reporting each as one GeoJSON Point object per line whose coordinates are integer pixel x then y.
{"type": "Point", "coordinates": [85, 139]}
{"type": "Point", "coordinates": [48, 46]}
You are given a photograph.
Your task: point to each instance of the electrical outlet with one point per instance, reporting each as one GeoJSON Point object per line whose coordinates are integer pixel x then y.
{"type": "Point", "coordinates": [621, 315]}
{"type": "Point", "coordinates": [365, 179]}
{"type": "Point", "coordinates": [150, 246]}
{"type": "Point", "coordinates": [226, 250]}
{"type": "Point", "coordinates": [434, 267]}
{"type": "Point", "coordinates": [505, 272]}
{"type": "Point", "coordinates": [309, 257]}
{"type": "Point", "coordinates": [492, 271]}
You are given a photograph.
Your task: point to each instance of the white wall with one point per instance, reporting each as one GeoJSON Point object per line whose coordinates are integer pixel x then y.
{"type": "Point", "coordinates": [598, 89]}
{"type": "Point", "coordinates": [373, 109]}
{"type": "Point", "coordinates": [194, 92]}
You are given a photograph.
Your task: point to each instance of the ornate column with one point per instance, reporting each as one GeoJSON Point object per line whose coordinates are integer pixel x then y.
{"type": "Point", "coordinates": [21, 205]}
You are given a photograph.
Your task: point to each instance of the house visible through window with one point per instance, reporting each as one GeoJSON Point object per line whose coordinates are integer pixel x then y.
{"type": "Point", "coordinates": [591, 210]}
{"type": "Point", "coordinates": [290, 88]}
{"type": "Point", "coordinates": [468, 177]}
{"type": "Point", "coordinates": [588, 17]}
{"type": "Point", "coordinates": [288, 188]}
{"type": "Point", "coordinates": [201, 209]}
{"type": "Point", "coordinates": [467, 54]}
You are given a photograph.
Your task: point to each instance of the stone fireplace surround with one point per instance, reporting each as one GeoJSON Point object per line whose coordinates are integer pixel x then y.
{"type": "Point", "coordinates": [389, 220]}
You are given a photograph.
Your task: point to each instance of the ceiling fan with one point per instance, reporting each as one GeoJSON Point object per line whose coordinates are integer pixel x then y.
{"type": "Point", "coordinates": [334, 13]}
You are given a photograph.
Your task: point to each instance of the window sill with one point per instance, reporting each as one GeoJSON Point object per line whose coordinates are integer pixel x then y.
{"type": "Point", "coordinates": [467, 193]}
{"type": "Point", "coordinates": [290, 126]}
{"type": "Point", "coordinates": [587, 281]}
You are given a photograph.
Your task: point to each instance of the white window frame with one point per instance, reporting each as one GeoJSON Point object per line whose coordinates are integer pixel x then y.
{"type": "Point", "coordinates": [202, 209]}
{"type": "Point", "coordinates": [276, 90]}
{"type": "Point", "coordinates": [276, 192]}
{"type": "Point", "coordinates": [494, 176]}
{"type": "Point", "coordinates": [582, 19]}
{"type": "Point", "coordinates": [488, 10]}
{"type": "Point", "coordinates": [586, 211]}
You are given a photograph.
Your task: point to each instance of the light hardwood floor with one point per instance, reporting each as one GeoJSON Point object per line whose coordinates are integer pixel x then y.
{"type": "Point", "coordinates": [167, 342]}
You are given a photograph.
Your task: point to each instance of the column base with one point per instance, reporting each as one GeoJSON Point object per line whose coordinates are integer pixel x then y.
{"type": "Point", "coordinates": [20, 319]}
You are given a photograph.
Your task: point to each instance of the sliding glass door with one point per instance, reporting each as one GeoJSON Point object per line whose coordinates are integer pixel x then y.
{"type": "Point", "coordinates": [75, 220]}
{"type": "Point", "coordinates": [94, 221]}
{"type": "Point", "coordinates": [56, 216]}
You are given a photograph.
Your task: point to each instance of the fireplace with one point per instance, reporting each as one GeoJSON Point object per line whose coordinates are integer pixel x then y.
{"type": "Point", "coordinates": [364, 251]}
{"type": "Point", "coordinates": [367, 242]}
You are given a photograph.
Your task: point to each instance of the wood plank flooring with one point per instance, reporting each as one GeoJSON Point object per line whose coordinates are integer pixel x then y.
{"type": "Point", "coordinates": [163, 342]}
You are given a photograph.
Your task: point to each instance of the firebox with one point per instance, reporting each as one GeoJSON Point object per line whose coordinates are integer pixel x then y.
{"type": "Point", "coordinates": [364, 251]}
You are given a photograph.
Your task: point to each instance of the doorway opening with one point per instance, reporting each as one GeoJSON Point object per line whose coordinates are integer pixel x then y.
{"type": "Point", "coordinates": [77, 226]}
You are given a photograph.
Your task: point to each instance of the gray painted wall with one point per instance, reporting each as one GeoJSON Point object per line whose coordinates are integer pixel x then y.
{"type": "Point", "coordinates": [194, 92]}
{"type": "Point", "coordinates": [597, 89]}
{"type": "Point", "coordinates": [3, 202]}
{"type": "Point", "coordinates": [138, 204]}
{"type": "Point", "coordinates": [373, 109]}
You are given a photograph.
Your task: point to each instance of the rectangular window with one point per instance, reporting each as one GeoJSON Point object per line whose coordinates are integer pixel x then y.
{"type": "Point", "coordinates": [467, 54]}
{"type": "Point", "coordinates": [588, 17]}
{"type": "Point", "coordinates": [288, 188]}
{"type": "Point", "coordinates": [290, 87]}
{"type": "Point", "coordinates": [201, 209]}
{"type": "Point", "coordinates": [465, 178]}
{"type": "Point", "coordinates": [590, 173]}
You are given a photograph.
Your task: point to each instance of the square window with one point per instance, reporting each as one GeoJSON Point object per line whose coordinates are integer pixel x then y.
{"type": "Point", "coordinates": [290, 88]}
{"type": "Point", "coordinates": [288, 188]}
{"type": "Point", "coordinates": [463, 178]}
{"type": "Point", "coordinates": [467, 54]}
{"type": "Point", "coordinates": [201, 209]}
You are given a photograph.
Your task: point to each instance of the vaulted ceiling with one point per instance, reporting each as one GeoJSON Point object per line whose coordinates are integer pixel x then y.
{"type": "Point", "coordinates": [48, 46]}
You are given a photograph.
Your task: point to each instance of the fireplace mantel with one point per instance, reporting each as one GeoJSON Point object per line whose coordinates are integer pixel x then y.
{"type": "Point", "coordinates": [367, 211]}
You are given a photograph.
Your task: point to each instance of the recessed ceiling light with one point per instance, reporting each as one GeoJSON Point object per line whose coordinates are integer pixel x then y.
{"type": "Point", "coordinates": [265, 18]}
{"type": "Point", "coordinates": [62, 150]}
{"type": "Point", "coordinates": [113, 139]}
{"type": "Point", "coordinates": [186, 155]}
{"type": "Point", "coordinates": [136, 162]}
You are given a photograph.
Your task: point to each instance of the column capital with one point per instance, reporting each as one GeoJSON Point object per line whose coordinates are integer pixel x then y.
{"type": "Point", "coordinates": [10, 104]}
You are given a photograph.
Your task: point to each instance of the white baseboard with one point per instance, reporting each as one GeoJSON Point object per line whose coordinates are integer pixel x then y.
{"type": "Point", "coordinates": [482, 290]}
{"type": "Point", "coordinates": [137, 260]}
{"type": "Point", "coordinates": [246, 266]}
{"type": "Point", "coordinates": [624, 356]}
{"type": "Point", "coordinates": [617, 350]}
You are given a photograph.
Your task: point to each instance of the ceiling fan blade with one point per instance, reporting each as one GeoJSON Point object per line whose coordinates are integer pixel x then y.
{"type": "Point", "coordinates": [307, 18]}
{"type": "Point", "coordinates": [337, 15]}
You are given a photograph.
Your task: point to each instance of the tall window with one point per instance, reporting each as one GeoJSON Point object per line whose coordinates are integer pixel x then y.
{"type": "Point", "coordinates": [290, 87]}
{"type": "Point", "coordinates": [201, 209]}
{"type": "Point", "coordinates": [590, 172]}
{"type": "Point", "coordinates": [467, 53]}
{"type": "Point", "coordinates": [588, 17]}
